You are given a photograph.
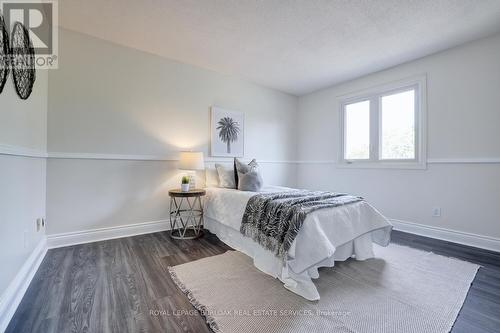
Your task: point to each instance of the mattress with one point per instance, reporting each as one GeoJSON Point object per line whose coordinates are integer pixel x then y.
{"type": "Point", "coordinates": [326, 236]}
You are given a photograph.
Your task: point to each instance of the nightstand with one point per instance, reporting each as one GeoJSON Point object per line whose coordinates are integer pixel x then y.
{"type": "Point", "coordinates": [186, 214]}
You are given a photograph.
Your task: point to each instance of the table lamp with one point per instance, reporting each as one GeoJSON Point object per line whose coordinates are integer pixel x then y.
{"type": "Point", "coordinates": [191, 161]}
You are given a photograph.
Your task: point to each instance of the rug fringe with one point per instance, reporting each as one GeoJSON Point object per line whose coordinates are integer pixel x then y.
{"type": "Point", "coordinates": [194, 302]}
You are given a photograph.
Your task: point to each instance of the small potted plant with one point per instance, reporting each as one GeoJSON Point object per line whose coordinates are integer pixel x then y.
{"type": "Point", "coordinates": [185, 184]}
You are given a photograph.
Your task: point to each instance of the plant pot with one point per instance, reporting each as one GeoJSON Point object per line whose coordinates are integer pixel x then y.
{"type": "Point", "coordinates": [185, 187]}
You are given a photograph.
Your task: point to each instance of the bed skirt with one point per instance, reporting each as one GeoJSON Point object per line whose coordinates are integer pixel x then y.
{"type": "Point", "coordinates": [297, 278]}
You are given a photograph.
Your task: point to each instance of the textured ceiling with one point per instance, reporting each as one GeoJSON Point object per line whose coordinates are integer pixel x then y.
{"type": "Point", "coordinates": [294, 46]}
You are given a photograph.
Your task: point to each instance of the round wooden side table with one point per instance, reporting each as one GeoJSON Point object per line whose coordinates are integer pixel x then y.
{"type": "Point", "coordinates": [186, 214]}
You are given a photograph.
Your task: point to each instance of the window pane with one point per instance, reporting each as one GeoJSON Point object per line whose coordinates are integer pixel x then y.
{"type": "Point", "coordinates": [398, 126]}
{"type": "Point", "coordinates": [357, 131]}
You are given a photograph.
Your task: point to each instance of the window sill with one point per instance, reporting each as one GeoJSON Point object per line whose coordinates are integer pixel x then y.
{"type": "Point", "coordinates": [382, 165]}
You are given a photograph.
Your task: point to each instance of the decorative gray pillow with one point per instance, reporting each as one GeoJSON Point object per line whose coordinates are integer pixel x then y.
{"type": "Point", "coordinates": [250, 181]}
{"type": "Point", "coordinates": [248, 175]}
{"type": "Point", "coordinates": [226, 176]}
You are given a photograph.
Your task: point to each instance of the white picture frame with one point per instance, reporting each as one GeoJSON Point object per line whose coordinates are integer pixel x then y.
{"type": "Point", "coordinates": [227, 130]}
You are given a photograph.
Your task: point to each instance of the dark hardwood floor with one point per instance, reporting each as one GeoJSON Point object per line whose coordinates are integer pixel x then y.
{"type": "Point", "coordinates": [122, 285]}
{"type": "Point", "coordinates": [481, 310]}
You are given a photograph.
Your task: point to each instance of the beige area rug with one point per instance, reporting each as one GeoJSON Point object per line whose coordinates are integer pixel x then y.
{"type": "Point", "coordinates": [401, 290]}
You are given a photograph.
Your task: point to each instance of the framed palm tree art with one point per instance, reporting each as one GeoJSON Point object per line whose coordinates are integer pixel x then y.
{"type": "Point", "coordinates": [227, 132]}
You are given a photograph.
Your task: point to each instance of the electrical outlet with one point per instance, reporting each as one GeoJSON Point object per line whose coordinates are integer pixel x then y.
{"type": "Point", "coordinates": [40, 223]}
{"type": "Point", "coordinates": [436, 212]}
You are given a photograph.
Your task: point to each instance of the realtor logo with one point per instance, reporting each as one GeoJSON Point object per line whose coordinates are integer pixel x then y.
{"type": "Point", "coordinates": [40, 18]}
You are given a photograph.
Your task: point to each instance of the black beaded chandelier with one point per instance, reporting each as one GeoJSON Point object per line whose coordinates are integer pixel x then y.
{"type": "Point", "coordinates": [22, 60]}
{"type": "Point", "coordinates": [4, 53]}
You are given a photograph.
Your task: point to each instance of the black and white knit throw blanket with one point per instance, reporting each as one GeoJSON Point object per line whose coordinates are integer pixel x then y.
{"type": "Point", "coordinates": [274, 219]}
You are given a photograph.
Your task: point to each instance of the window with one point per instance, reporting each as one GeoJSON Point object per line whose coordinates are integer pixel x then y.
{"type": "Point", "coordinates": [397, 126]}
{"type": "Point", "coordinates": [357, 126]}
{"type": "Point", "coordinates": [383, 127]}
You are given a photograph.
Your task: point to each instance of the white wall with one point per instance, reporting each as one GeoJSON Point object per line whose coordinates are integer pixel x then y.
{"type": "Point", "coordinates": [463, 86]}
{"type": "Point", "coordinates": [22, 179]}
{"type": "Point", "coordinates": [108, 99]}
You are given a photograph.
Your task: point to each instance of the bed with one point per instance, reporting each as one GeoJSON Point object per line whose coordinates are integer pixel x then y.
{"type": "Point", "coordinates": [326, 236]}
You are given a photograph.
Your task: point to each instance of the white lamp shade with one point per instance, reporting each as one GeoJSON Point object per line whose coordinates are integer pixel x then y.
{"type": "Point", "coordinates": [191, 160]}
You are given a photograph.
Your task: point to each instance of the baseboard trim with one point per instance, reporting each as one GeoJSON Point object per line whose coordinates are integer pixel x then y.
{"type": "Point", "coordinates": [101, 234]}
{"type": "Point", "coordinates": [464, 238]}
{"type": "Point", "coordinates": [17, 288]}
{"type": "Point", "coordinates": [95, 235]}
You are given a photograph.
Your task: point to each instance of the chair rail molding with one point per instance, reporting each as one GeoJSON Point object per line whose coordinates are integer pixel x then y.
{"type": "Point", "coordinates": [135, 157]}
{"type": "Point", "coordinates": [463, 160]}
{"type": "Point", "coordinates": [12, 150]}
{"type": "Point", "coordinates": [454, 160]}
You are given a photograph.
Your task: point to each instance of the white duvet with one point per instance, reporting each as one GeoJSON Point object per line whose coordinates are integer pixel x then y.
{"type": "Point", "coordinates": [326, 235]}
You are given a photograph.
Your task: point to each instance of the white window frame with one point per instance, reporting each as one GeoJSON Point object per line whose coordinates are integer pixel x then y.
{"type": "Point", "coordinates": [374, 95]}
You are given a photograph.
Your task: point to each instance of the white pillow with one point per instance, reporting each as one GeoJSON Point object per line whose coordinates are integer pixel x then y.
{"type": "Point", "coordinates": [226, 176]}
{"type": "Point", "coordinates": [211, 177]}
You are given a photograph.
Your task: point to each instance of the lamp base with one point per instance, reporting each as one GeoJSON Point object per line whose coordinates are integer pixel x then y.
{"type": "Point", "coordinates": [192, 180]}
